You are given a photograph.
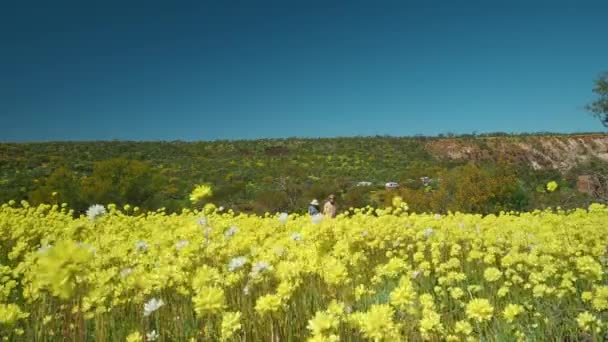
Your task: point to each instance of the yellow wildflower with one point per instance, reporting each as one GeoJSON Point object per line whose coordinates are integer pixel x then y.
{"type": "Point", "coordinates": [200, 192]}
{"type": "Point", "coordinates": [479, 309]}
{"type": "Point", "coordinates": [377, 324]}
{"type": "Point", "coordinates": [208, 300]}
{"type": "Point", "coordinates": [230, 325]}
{"type": "Point", "coordinates": [585, 321]}
{"type": "Point", "coordinates": [11, 313]}
{"type": "Point", "coordinates": [463, 327]}
{"type": "Point", "coordinates": [492, 274]}
{"type": "Point", "coordinates": [600, 298]}
{"type": "Point", "coordinates": [552, 186]}
{"type": "Point", "coordinates": [134, 337]}
{"type": "Point", "coordinates": [511, 311]}
{"type": "Point", "coordinates": [267, 304]}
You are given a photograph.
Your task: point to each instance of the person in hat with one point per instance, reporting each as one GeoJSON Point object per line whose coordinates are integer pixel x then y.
{"type": "Point", "coordinates": [329, 209]}
{"type": "Point", "coordinates": [313, 208]}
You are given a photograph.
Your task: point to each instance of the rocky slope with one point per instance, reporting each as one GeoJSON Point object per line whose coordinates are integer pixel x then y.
{"type": "Point", "coordinates": [540, 152]}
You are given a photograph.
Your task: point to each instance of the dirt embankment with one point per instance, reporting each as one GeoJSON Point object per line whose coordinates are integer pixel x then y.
{"type": "Point", "coordinates": [540, 152]}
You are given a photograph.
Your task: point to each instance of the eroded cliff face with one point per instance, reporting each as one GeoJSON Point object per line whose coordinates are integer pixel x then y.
{"type": "Point", "coordinates": [539, 152]}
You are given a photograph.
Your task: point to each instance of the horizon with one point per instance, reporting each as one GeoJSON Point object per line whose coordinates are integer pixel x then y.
{"type": "Point", "coordinates": [217, 71]}
{"type": "Point", "coordinates": [446, 135]}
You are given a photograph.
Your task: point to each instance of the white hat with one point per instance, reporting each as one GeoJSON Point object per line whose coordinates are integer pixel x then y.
{"type": "Point", "coordinates": [314, 202]}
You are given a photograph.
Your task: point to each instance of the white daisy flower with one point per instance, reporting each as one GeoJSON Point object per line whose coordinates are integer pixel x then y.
{"type": "Point", "coordinates": [181, 244]}
{"type": "Point", "coordinates": [152, 336]}
{"type": "Point", "coordinates": [152, 305]}
{"type": "Point", "coordinates": [231, 231]}
{"type": "Point", "coordinates": [95, 211]}
{"type": "Point", "coordinates": [259, 267]}
{"type": "Point", "coordinates": [236, 263]}
{"type": "Point", "coordinates": [283, 217]}
{"type": "Point", "coordinates": [141, 246]}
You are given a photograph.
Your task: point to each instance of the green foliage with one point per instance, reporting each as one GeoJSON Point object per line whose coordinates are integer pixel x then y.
{"type": "Point", "coordinates": [599, 107]}
{"type": "Point", "coordinates": [122, 181]}
{"type": "Point", "coordinates": [272, 175]}
{"type": "Point", "coordinates": [61, 186]}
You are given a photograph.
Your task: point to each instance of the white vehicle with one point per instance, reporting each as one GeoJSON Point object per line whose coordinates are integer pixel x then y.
{"type": "Point", "coordinates": [392, 185]}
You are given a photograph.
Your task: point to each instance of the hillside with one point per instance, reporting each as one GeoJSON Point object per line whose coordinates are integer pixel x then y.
{"type": "Point", "coordinates": [283, 174]}
{"type": "Point", "coordinates": [539, 152]}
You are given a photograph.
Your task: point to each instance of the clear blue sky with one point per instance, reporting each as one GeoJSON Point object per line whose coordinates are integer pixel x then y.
{"type": "Point", "coordinates": [223, 69]}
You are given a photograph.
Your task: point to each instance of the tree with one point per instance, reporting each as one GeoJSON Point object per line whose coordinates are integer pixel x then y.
{"type": "Point", "coordinates": [599, 107]}
{"type": "Point", "coordinates": [122, 181]}
{"type": "Point", "coordinates": [468, 188]}
{"type": "Point", "coordinates": [61, 186]}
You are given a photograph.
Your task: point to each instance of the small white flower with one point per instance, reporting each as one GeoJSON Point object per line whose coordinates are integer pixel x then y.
{"type": "Point", "coordinates": [415, 274]}
{"type": "Point", "coordinates": [221, 208]}
{"type": "Point", "coordinates": [437, 217]}
{"type": "Point", "coordinates": [296, 237]}
{"type": "Point", "coordinates": [152, 305]}
{"type": "Point", "coordinates": [125, 272]}
{"type": "Point", "coordinates": [427, 232]}
{"type": "Point", "coordinates": [202, 221]}
{"type": "Point", "coordinates": [152, 336]}
{"type": "Point", "coordinates": [246, 290]}
{"type": "Point", "coordinates": [231, 231]}
{"type": "Point", "coordinates": [181, 244]}
{"type": "Point", "coordinates": [283, 217]}
{"type": "Point", "coordinates": [259, 267]}
{"type": "Point", "coordinates": [236, 263]}
{"type": "Point", "coordinates": [317, 218]}
{"type": "Point", "coordinates": [141, 246]}
{"type": "Point", "coordinates": [95, 211]}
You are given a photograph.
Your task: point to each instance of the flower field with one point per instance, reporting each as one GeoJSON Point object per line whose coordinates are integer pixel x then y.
{"type": "Point", "coordinates": [368, 275]}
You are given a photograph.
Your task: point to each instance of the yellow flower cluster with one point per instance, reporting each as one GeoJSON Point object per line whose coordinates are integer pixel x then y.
{"type": "Point", "coordinates": [377, 275]}
{"type": "Point", "coordinates": [200, 192]}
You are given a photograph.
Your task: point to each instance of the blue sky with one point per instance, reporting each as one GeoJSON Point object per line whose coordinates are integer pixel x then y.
{"type": "Point", "coordinates": [205, 70]}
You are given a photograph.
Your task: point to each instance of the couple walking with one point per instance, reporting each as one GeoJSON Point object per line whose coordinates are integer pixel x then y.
{"type": "Point", "coordinates": [329, 208]}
